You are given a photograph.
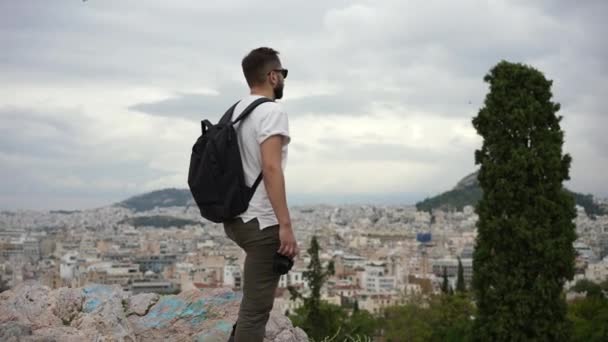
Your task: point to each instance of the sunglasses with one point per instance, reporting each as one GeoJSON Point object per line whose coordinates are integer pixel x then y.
{"type": "Point", "coordinates": [283, 72]}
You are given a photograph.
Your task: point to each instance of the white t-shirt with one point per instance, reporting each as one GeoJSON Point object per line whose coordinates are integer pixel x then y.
{"type": "Point", "coordinates": [266, 120]}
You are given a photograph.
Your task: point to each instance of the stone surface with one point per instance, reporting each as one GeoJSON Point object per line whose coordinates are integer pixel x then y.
{"type": "Point", "coordinates": [28, 304]}
{"type": "Point", "coordinates": [57, 334]}
{"type": "Point", "coordinates": [67, 304]}
{"type": "Point", "coordinates": [103, 314]}
{"type": "Point", "coordinates": [141, 303]}
{"type": "Point", "coordinates": [280, 329]}
{"type": "Point", "coordinates": [14, 331]}
{"type": "Point", "coordinates": [204, 314]}
{"type": "Point", "coordinates": [35, 313]}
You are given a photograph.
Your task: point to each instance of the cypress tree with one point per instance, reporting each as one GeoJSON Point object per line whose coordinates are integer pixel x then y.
{"type": "Point", "coordinates": [316, 275]}
{"type": "Point", "coordinates": [460, 285]}
{"type": "Point", "coordinates": [316, 322]}
{"type": "Point", "coordinates": [445, 286]}
{"type": "Point", "coordinates": [524, 249]}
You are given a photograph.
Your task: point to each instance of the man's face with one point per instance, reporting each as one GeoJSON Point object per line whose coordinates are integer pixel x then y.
{"type": "Point", "coordinates": [277, 79]}
{"type": "Point", "coordinates": [278, 88]}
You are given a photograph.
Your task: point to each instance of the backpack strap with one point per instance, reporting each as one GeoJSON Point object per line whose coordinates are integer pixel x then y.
{"type": "Point", "coordinates": [243, 115]}
{"type": "Point", "coordinates": [250, 108]}
{"type": "Point", "coordinates": [227, 117]}
{"type": "Point", "coordinates": [256, 183]}
{"type": "Point", "coordinates": [205, 125]}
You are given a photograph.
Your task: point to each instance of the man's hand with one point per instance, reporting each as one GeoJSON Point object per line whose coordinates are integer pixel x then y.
{"type": "Point", "coordinates": [289, 245]}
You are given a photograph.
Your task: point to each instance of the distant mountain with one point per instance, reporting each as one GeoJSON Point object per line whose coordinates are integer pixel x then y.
{"type": "Point", "coordinates": [468, 182]}
{"type": "Point", "coordinates": [161, 199]}
{"type": "Point", "coordinates": [468, 192]}
{"type": "Point", "coordinates": [591, 207]}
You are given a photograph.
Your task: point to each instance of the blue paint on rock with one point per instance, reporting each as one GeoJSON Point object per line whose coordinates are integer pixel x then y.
{"type": "Point", "coordinates": [164, 312]}
{"type": "Point", "coordinates": [172, 308]}
{"type": "Point", "coordinates": [228, 296]}
{"type": "Point", "coordinates": [97, 290]}
{"type": "Point", "coordinates": [196, 311]}
{"type": "Point", "coordinates": [195, 308]}
{"type": "Point", "coordinates": [91, 305]}
{"type": "Point", "coordinates": [95, 295]}
{"type": "Point", "coordinates": [224, 326]}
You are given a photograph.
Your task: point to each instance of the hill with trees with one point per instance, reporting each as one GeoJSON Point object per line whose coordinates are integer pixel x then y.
{"type": "Point", "coordinates": [468, 192]}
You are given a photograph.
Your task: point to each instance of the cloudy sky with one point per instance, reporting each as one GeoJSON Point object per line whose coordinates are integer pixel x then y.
{"type": "Point", "coordinates": [100, 100]}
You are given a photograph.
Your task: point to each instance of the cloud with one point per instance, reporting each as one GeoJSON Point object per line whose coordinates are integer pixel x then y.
{"type": "Point", "coordinates": [100, 99]}
{"type": "Point", "coordinates": [66, 153]}
{"type": "Point", "coordinates": [187, 105]}
{"type": "Point", "coordinates": [195, 106]}
{"type": "Point", "coordinates": [348, 150]}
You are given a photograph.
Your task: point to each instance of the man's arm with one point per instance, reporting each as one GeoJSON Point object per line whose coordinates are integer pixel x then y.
{"type": "Point", "coordinates": [274, 181]}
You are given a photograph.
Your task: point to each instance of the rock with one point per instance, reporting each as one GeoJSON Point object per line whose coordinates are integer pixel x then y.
{"type": "Point", "coordinates": [29, 304]}
{"type": "Point", "coordinates": [104, 314]}
{"type": "Point", "coordinates": [67, 304]}
{"type": "Point", "coordinates": [140, 303]}
{"type": "Point", "coordinates": [57, 334]}
{"type": "Point", "coordinates": [280, 329]}
{"type": "Point", "coordinates": [35, 313]}
{"type": "Point", "coordinates": [204, 314]}
{"type": "Point", "coordinates": [14, 331]}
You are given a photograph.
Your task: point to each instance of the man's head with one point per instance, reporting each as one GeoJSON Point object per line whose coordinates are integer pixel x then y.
{"type": "Point", "coordinates": [262, 69]}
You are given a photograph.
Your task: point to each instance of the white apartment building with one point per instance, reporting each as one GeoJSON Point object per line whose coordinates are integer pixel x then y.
{"type": "Point", "coordinates": [353, 261]}
{"type": "Point", "coordinates": [67, 268]}
{"type": "Point", "coordinates": [584, 251]}
{"type": "Point", "coordinates": [451, 266]}
{"type": "Point", "coordinates": [597, 272]}
{"type": "Point", "coordinates": [376, 278]}
{"type": "Point", "coordinates": [292, 278]}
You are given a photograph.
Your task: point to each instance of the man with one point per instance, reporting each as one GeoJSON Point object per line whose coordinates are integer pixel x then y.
{"type": "Point", "coordinates": [265, 228]}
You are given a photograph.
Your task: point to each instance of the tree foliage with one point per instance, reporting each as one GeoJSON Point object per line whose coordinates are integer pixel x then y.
{"type": "Point", "coordinates": [455, 199]}
{"type": "Point", "coordinates": [159, 221]}
{"type": "Point", "coordinates": [328, 321]}
{"type": "Point", "coordinates": [322, 320]}
{"type": "Point", "coordinates": [460, 285]}
{"type": "Point", "coordinates": [590, 288]}
{"type": "Point", "coordinates": [317, 318]}
{"type": "Point", "coordinates": [440, 318]}
{"type": "Point", "coordinates": [445, 285]}
{"type": "Point", "coordinates": [589, 317]}
{"type": "Point", "coordinates": [524, 249]}
{"type": "Point", "coordinates": [592, 209]}
{"type": "Point", "coordinates": [161, 199]}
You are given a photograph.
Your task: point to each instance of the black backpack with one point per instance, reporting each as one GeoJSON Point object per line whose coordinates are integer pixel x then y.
{"type": "Point", "coordinates": [216, 177]}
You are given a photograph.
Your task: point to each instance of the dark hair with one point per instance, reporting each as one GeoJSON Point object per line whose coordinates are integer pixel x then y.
{"type": "Point", "coordinates": [257, 64]}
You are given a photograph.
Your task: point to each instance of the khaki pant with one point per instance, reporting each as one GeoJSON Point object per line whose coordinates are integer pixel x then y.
{"type": "Point", "coordinates": [260, 281]}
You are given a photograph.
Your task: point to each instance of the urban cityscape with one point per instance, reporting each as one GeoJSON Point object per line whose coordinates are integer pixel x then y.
{"type": "Point", "coordinates": [383, 255]}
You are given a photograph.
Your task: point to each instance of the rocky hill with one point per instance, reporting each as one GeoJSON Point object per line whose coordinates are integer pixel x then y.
{"type": "Point", "coordinates": [468, 192]}
{"type": "Point", "coordinates": [161, 198]}
{"type": "Point", "coordinates": [32, 312]}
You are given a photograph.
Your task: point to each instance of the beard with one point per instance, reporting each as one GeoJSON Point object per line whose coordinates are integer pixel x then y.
{"type": "Point", "coordinates": [278, 91]}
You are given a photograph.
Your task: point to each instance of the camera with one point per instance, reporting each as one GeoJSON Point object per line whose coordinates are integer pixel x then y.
{"type": "Point", "coordinates": [281, 263]}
